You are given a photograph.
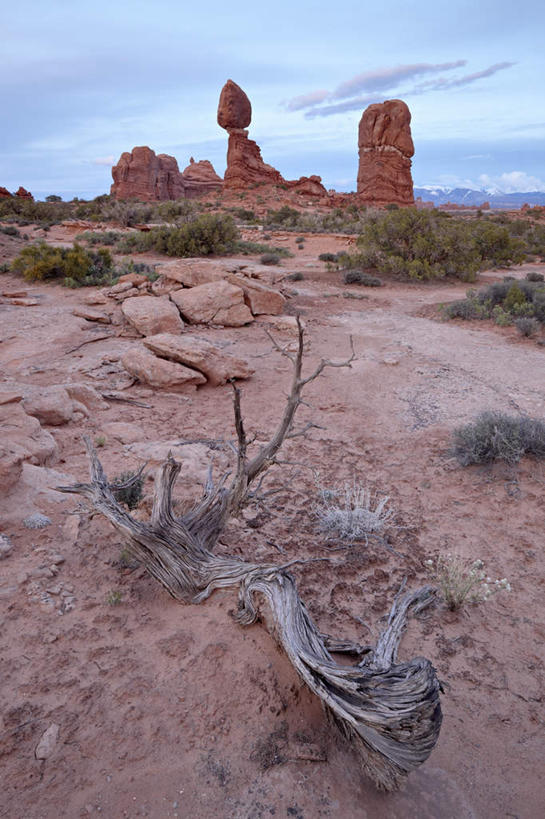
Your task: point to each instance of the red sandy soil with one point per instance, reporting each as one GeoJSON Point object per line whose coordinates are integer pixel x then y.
{"type": "Point", "coordinates": [167, 710]}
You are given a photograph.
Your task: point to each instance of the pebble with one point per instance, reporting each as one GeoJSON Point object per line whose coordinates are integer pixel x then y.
{"type": "Point", "coordinates": [36, 521]}
{"type": "Point", "coordinates": [56, 559]}
{"type": "Point", "coordinates": [47, 743]}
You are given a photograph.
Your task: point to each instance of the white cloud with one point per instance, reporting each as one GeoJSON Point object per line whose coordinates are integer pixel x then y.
{"type": "Point", "coordinates": [103, 160]}
{"type": "Point", "coordinates": [511, 182]}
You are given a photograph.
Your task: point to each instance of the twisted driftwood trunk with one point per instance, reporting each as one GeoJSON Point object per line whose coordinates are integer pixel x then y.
{"type": "Point", "coordinates": [390, 712]}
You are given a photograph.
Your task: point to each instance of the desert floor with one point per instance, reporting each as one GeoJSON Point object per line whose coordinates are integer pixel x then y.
{"type": "Point", "coordinates": [167, 710]}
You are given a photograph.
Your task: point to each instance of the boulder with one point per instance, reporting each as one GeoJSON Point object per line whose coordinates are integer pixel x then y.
{"type": "Point", "coordinates": [213, 303]}
{"type": "Point", "coordinates": [192, 272]}
{"type": "Point", "coordinates": [23, 435]}
{"type": "Point", "coordinates": [234, 107]}
{"type": "Point", "coordinates": [11, 465]}
{"type": "Point", "coordinates": [151, 315]}
{"type": "Point", "coordinates": [157, 372]}
{"type": "Point", "coordinates": [385, 151]}
{"type": "Point", "coordinates": [133, 279]}
{"type": "Point", "coordinates": [259, 298]}
{"type": "Point", "coordinates": [50, 405]}
{"type": "Point", "coordinates": [86, 395]}
{"type": "Point", "coordinates": [200, 178]}
{"type": "Point", "coordinates": [199, 353]}
{"type": "Point", "coordinates": [149, 177]}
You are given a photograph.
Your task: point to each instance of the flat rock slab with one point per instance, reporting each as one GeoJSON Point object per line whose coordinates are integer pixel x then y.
{"type": "Point", "coordinates": [151, 315]}
{"type": "Point", "coordinates": [213, 303]}
{"type": "Point", "coordinates": [123, 431]}
{"type": "Point", "coordinates": [261, 300]}
{"type": "Point", "coordinates": [157, 372]}
{"type": "Point", "coordinates": [191, 272]}
{"type": "Point", "coordinates": [91, 314]}
{"type": "Point", "coordinates": [219, 367]}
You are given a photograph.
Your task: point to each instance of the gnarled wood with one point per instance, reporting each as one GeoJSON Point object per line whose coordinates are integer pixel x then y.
{"type": "Point", "coordinates": [389, 711]}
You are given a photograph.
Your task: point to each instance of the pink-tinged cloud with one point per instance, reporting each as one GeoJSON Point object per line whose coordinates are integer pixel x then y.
{"type": "Point", "coordinates": [307, 100]}
{"type": "Point", "coordinates": [387, 78]}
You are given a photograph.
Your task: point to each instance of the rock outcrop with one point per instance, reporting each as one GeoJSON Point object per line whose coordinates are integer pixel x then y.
{"type": "Point", "coordinates": [200, 178]}
{"type": "Point", "coordinates": [22, 193]}
{"type": "Point", "coordinates": [385, 150]}
{"type": "Point", "coordinates": [149, 177]}
{"type": "Point", "coordinates": [245, 166]}
{"type": "Point", "coordinates": [4, 193]}
{"type": "Point", "coordinates": [151, 315]}
{"type": "Point", "coordinates": [199, 354]}
{"type": "Point", "coordinates": [146, 176]}
{"type": "Point", "coordinates": [157, 372]}
{"type": "Point", "coordinates": [213, 303]}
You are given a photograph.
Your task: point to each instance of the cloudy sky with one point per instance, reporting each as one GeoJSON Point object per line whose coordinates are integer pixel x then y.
{"type": "Point", "coordinates": [82, 81]}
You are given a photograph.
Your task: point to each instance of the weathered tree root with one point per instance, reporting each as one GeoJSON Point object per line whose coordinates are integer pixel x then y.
{"type": "Point", "coordinates": [390, 712]}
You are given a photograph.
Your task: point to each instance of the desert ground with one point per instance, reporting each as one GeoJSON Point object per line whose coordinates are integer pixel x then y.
{"type": "Point", "coordinates": [171, 710]}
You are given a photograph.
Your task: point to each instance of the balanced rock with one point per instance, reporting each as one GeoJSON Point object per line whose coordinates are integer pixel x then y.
{"type": "Point", "coordinates": [234, 107]}
{"type": "Point", "coordinates": [151, 315]}
{"type": "Point", "coordinates": [200, 178]}
{"type": "Point", "coordinates": [213, 303]}
{"type": "Point", "coordinates": [149, 177]}
{"type": "Point", "coordinates": [22, 193]}
{"type": "Point", "coordinates": [157, 372]}
{"type": "Point", "coordinates": [385, 150]}
{"type": "Point", "coordinates": [217, 366]}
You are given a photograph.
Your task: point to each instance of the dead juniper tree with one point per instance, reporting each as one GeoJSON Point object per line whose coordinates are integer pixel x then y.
{"type": "Point", "coordinates": [389, 711]}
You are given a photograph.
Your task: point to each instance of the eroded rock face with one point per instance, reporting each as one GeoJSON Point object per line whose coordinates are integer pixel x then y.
{"type": "Point", "coordinates": [234, 107]}
{"type": "Point", "coordinates": [199, 353]}
{"type": "Point", "coordinates": [150, 315]}
{"type": "Point", "coordinates": [259, 298]}
{"type": "Point", "coordinates": [4, 193]}
{"type": "Point", "coordinates": [385, 150]}
{"type": "Point", "coordinates": [214, 303]}
{"type": "Point", "coordinates": [200, 178]}
{"type": "Point", "coordinates": [147, 177]}
{"type": "Point", "coordinates": [157, 372]}
{"type": "Point", "coordinates": [22, 193]}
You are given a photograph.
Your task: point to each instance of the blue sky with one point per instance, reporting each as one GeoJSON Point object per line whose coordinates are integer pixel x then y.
{"type": "Point", "coordinates": [81, 82]}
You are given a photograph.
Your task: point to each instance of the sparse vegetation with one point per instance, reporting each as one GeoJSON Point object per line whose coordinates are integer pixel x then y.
{"type": "Point", "coordinates": [498, 436]}
{"type": "Point", "coordinates": [207, 234]}
{"type": "Point", "coordinates": [76, 266]}
{"type": "Point", "coordinates": [270, 258]}
{"type": "Point", "coordinates": [352, 512]}
{"type": "Point", "coordinates": [534, 276]}
{"type": "Point", "coordinates": [127, 488]}
{"type": "Point", "coordinates": [114, 598]}
{"type": "Point", "coordinates": [503, 301]}
{"type": "Point", "coordinates": [527, 326]}
{"type": "Point", "coordinates": [100, 441]}
{"type": "Point", "coordinates": [463, 581]}
{"type": "Point", "coordinates": [362, 278]}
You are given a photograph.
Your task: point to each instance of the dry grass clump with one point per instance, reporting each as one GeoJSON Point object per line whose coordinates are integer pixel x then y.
{"type": "Point", "coordinates": [352, 512]}
{"type": "Point", "coordinates": [498, 436]}
{"type": "Point", "coordinates": [461, 580]}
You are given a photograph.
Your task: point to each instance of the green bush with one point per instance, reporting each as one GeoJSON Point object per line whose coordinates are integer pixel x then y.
{"type": "Point", "coordinates": [9, 230]}
{"type": "Point", "coordinates": [207, 234]}
{"type": "Point", "coordinates": [497, 436]}
{"type": "Point", "coordinates": [127, 488]}
{"type": "Point", "coordinates": [327, 257]}
{"type": "Point", "coordinates": [76, 266]}
{"type": "Point", "coordinates": [360, 277]}
{"type": "Point", "coordinates": [527, 326]}
{"type": "Point", "coordinates": [503, 301]}
{"type": "Point", "coordinates": [534, 276]}
{"type": "Point", "coordinates": [270, 258]}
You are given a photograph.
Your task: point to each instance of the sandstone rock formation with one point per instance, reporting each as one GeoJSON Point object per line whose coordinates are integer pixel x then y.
{"type": "Point", "coordinates": [261, 300]}
{"type": "Point", "coordinates": [52, 406]}
{"type": "Point", "coordinates": [214, 303]}
{"type": "Point", "coordinates": [385, 150]}
{"type": "Point", "coordinates": [22, 193]}
{"type": "Point", "coordinates": [157, 372]}
{"type": "Point", "coordinates": [146, 176]}
{"type": "Point", "coordinates": [200, 178]}
{"type": "Point", "coordinates": [149, 177]}
{"type": "Point", "coordinates": [4, 193]}
{"type": "Point", "coordinates": [245, 166]}
{"type": "Point", "coordinates": [151, 315]}
{"type": "Point", "coordinates": [217, 366]}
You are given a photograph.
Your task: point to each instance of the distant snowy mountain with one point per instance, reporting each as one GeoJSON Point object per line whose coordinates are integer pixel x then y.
{"type": "Point", "coordinates": [466, 196]}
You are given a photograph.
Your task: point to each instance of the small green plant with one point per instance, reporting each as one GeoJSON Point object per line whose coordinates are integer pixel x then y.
{"type": "Point", "coordinates": [100, 441]}
{"type": "Point", "coordinates": [127, 560]}
{"type": "Point", "coordinates": [127, 488]}
{"type": "Point", "coordinates": [463, 581]}
{"type": "Point", "coordinates": [498, 436]}
{"type": "Point", "coordinates": [114, 598]}
{"type": "Point", "coordinates": [270, 258]}
{"type": "Point", "coordinates": [361, 278]}
{"type": "Point", "coordinates": [527, 326]}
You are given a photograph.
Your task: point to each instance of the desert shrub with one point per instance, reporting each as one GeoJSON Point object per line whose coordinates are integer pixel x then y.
{"type": "Point", "coordinates": [534, 276]}
{"type": "Point", "coordinates": [352, 512]}
{"type": "Point", "coordinates": [527, 326]}
{"type": "Point", "coordinates": [9, 230]}
{"type": "Point", "coordinates": [244, 214]}
{"type": "Point", "coordinates": [76, 266]}
{"type": "Point", "coordinates": [205, 235]}
{"type": "Point", "coordinates": [269, 258]}
{"type": "Point", "coordinates": [255, 248]}
{"type": "Point", "coordinates": [468, 308]}
{"type": "Point", "coordinates": [327, 257]}
{"type": "Point", "coordinates": [462, 580]}
{"type": "Point", "coordinates": [422, 244]}
{"type": "Point", "coordinates": [497, 436]}
{"type": "Point", "coordinates": [503, 301]}
{"type": "Point", "coordinates": [127, 488]}
{"type": "Point", "coordinates": [106, 237]}
{"type": "Point", "coordinates": [362, 278]}
{"type": "Point", "coordinates": [295, 277]}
